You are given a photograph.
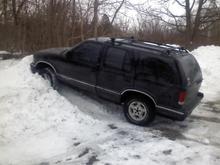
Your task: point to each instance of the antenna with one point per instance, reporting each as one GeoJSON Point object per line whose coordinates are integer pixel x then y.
{"type": "Point", "coordinates": [113, 40]}
{"type": "Point", "coordinates": [132, 39]}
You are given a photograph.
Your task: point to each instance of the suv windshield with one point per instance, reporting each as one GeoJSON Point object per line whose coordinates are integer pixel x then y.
{"type": "Point", "coordinates": [191, 68]}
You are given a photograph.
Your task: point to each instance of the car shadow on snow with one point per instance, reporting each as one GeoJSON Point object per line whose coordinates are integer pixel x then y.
{"type": "Point", "coordinates": [176, 130]}
{"type": "Point", "coordinates": [212, 106]}
{"type": "Point", "coordinates": [92, 105]}
{"type": "Point", "coordinates": [104, 110]}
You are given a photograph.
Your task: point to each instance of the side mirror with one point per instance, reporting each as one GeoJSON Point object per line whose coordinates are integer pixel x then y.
{"type": "Point", "coordinates": [73, 55]}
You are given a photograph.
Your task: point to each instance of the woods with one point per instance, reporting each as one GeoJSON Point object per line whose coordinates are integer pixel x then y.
{"type": "Point", "coordinates": [195, 24]}
{"type": "Point", "coordinates": [30, 25]}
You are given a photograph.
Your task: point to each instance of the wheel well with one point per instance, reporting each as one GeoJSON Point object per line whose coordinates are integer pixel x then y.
{"type": "Point", "coordinates": [131, 94]}
{"type": "Point", "coordinates": [42, 65]}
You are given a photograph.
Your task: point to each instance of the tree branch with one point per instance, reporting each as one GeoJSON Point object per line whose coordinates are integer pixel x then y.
{"type": "Point", "coordinates": [180, 3]}
{"type": "Point", "coordinates": [117, 10]}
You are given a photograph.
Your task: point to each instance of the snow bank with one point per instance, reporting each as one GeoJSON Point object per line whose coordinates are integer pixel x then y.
{"type": "Point", "coordinates": [31, 114]}
{"type": "Point", "coordinates": [4, 52]}
{"type": "Point", "coordinates": [7, 63]}
{"type": "Point", "coordinates": [209, 60]}
{"type": "Point", "coordinates": [22, 95]}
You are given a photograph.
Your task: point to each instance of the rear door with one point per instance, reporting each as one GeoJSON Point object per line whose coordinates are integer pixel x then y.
{"type": "Point", "coordinates": [157, 76]}
{"type": "Point", "coordinates": [115, 74]}
{"type": "Point", "coordinates": [192, 76]}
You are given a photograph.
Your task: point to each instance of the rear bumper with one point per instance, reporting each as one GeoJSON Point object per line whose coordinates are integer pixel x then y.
{"type": "Point", "coordinates": [189, 108]}
{"type": "Point", "coordinates": [182, 113]}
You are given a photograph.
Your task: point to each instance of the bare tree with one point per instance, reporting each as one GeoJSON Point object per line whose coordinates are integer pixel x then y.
{"type": "Point", "coordinates": [199, 15]}
{"type": "Point", "coordinates": [16, 9]}
{"type": "Point", "coordinates": [30, 25]}
{"type": "Point", "coordinates": [103, 4]}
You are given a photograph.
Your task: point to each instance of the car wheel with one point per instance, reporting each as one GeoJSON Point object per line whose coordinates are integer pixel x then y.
{"type": "Point", "coordinates": [139, 111]}
{"type": "Point", "coordinates": [50, 76]}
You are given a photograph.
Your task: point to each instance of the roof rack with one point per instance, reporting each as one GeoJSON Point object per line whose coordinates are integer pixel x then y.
{"type": "Point", "coordinates": [161, 47]}
{"type": "Point", "coordinates": [169, 46]}
{"type": "Point", "coordinates": [124, 39]}
{"type": "Point", "coordinates": [130, 42]}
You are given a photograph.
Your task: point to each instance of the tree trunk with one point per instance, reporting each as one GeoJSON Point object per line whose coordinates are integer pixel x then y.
{"type": "Point", "coordinates": [73, 25]}
{"type": "Point", "coordinates": [5, 12]}
{"type": "Point", "coordinates": [14, 12]}
{"type": "Point", "coordinates": [81, 22]}
{"type": "Point", "coordinates": [197, 20]}
{"type": "Point", "coordinates": [95, 18]}
{"type": "Point", "coordinates": [188, 23]}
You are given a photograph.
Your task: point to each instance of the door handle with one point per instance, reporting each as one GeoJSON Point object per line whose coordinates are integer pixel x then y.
{"type": "Point", "coordinates": [95, 68]}
{"type": "Point", "coordinates": [128, 79]}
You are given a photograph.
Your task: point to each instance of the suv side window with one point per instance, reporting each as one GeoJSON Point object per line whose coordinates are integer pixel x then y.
{"type": "Point", "coordinates": [166, 73]}
{"type": "Point", "coordinates": [87, 53]}
{"type": "Point", "coordinates": [146, 69]}
{"type": "Point", "coordinates": [117, 59]}
{"type": "Point", "coordinates": [154, 69]}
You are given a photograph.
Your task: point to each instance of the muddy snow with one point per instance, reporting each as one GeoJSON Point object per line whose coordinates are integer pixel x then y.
{"type": "Point", "coordinates": [41, 126]}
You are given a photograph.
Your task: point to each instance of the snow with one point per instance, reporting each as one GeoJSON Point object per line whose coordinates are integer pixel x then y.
{"type": "Point", "coordinates": [7, 63]}
{"type": "Point", "coordinates": [209, 60]}
{"type": "Point", "coordinates": [39, 125]}
{"type": "Point", "coordinates": [4, 52]}
{"type": "Point", "coordinates": [28, 108]}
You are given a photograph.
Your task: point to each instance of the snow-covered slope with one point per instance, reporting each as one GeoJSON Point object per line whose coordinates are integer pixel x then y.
{"type": "Point", "coordinates": [40, 126]}
{"type": "Point", "coordinates": [209, 60]}
{"type": "Point", "coordinates": [30, 114]}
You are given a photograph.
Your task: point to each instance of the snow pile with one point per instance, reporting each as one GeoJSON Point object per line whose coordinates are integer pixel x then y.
{"type": "Point", "coordinates": [4, 52]}
{"type": "Point", "coordinates": [7, 63]}
{"type": "Point", "coordinates": [31, 114]}
{"type": "Point", "coordinates": [209, 61]}
{"type": "Point", "coordinates": [21, 98]}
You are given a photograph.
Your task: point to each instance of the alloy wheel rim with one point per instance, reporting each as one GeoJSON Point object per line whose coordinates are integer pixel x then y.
{"type": "Point", "coordinates": [137, 110]}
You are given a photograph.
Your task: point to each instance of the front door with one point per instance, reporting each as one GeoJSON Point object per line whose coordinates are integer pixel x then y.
{"type": "Point", "coordinates": [80, 67]}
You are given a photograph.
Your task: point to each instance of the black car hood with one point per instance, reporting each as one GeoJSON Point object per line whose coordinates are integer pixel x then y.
{"type": "Point", "coordinates": [51, 52]}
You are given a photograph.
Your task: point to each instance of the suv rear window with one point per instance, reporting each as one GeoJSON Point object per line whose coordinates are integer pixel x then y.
{"type": "Point", "coordinates": [190, 68]}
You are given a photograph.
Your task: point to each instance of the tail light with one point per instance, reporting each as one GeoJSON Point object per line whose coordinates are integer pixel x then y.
{"type": "Point", "coordinates": [182, 97]}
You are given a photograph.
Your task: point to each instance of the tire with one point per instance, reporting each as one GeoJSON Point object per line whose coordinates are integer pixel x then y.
{"type": "Point", "coordinates": [48, 74]}
{"type": "Point", "coordinates": [139, 111]}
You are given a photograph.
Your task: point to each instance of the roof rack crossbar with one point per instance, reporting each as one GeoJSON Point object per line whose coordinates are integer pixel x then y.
{"type": "Point", "coordinates": [169, 46]}
{"type": "Point", "coordinates": [139, 42]}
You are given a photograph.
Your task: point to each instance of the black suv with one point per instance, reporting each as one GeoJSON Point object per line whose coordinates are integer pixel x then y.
{"type": "Point", "coordinates": [147, 78]}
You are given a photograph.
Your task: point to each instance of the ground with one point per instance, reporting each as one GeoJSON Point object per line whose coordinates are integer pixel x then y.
{"type": "Point", "coordinates": [41, 126]}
